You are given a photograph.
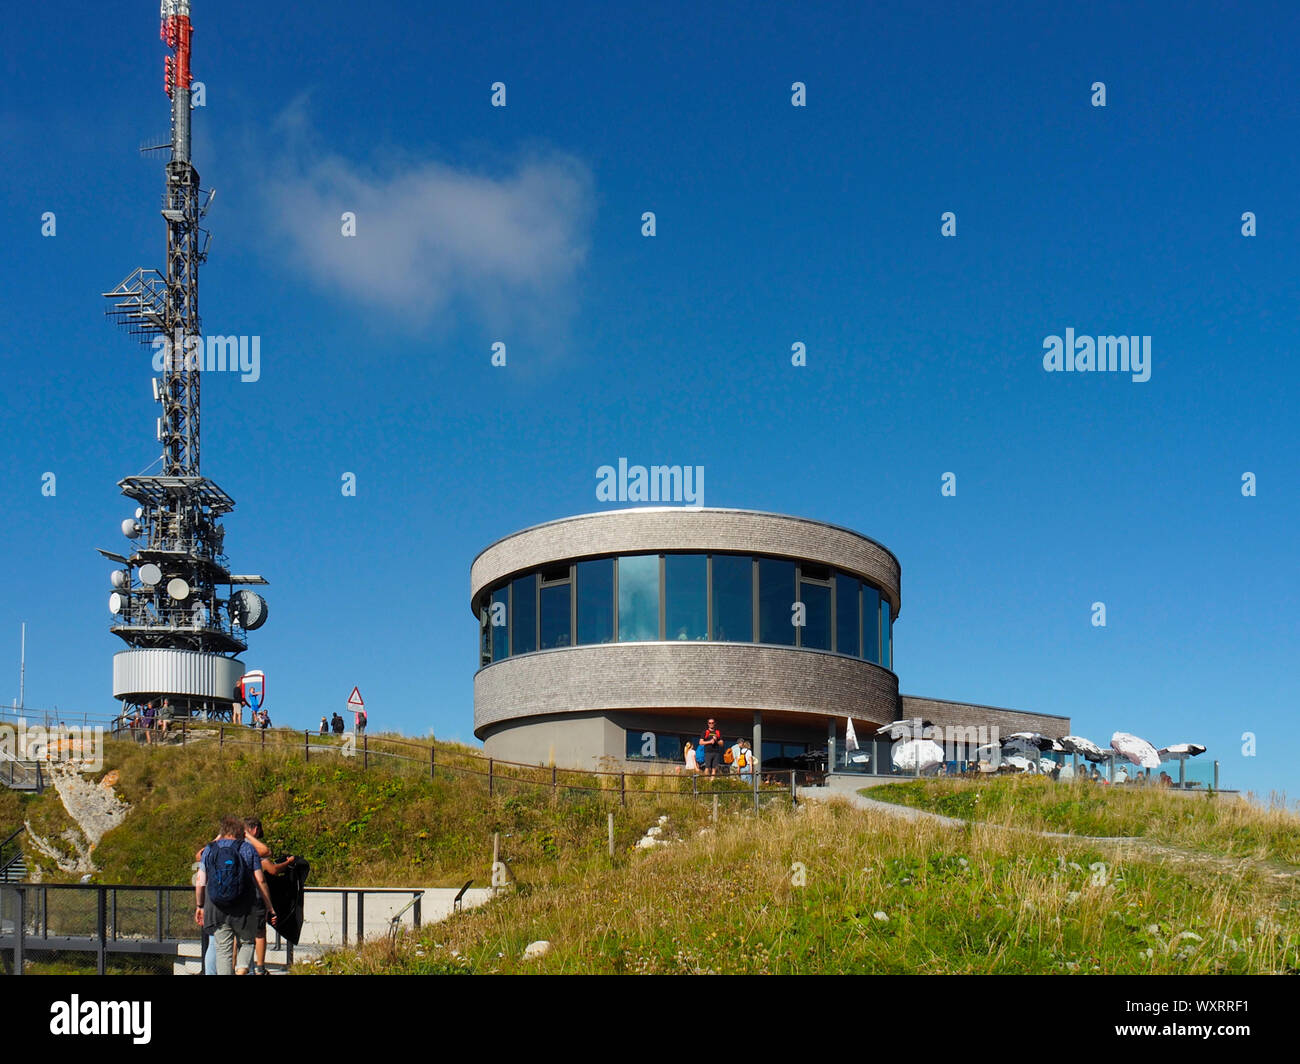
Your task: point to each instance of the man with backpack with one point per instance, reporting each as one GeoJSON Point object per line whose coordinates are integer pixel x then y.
{"type": "Point", "coordinates": [224, 896]}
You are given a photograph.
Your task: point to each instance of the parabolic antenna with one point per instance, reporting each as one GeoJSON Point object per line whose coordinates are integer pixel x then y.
{"type": "Point", "coordinates": [118, 578]}
{"type": "Point", "coordinates": [129, 528]}
{"type": "Point", "coordinates": [178, 589]}
{"type": "Point", "coordinates": [248, 609]}
{"type": "Point", "coordinates": [116, 603]}
{"type": "Point", "coordinates": [150, 574]}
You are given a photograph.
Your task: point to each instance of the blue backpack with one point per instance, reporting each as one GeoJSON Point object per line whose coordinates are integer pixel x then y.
{"type": "Point", "coordinates": [227, 872]}
{"type": "Point", "coordinates": [699, 755]}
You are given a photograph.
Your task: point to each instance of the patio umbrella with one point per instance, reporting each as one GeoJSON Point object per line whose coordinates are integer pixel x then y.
{"type": "Point", "coordinates": [904, 729]}
{"type": "Point", "coordinates": [850, 736]}
{"type": "Point", "coordinates": [1137, 750]}
{"type": "Point", "coordinates": [1180, 751]}
{"type": "Point", "coordinates": [1037, 740]}
{"type": "Point", "coordinates": [1077, 744]}
{"type": "Point", "coordinates": [916, 755]}
{"type": "Point", "coordinates": [1020, 764]}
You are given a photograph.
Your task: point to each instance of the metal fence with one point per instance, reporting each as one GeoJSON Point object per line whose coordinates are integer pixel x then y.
{"type": "Point", "coordinates": [145, 920]}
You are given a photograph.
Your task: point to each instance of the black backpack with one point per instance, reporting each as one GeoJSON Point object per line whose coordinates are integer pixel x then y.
{"type": "Point", "coordinates": [227, 872]}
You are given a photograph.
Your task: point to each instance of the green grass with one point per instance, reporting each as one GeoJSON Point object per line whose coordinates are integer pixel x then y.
{"type": "Point", "coordinates": [1221, 824]}
{"type": "Point", "coordinates": [967, 901]}
{"type": "Point", "coordinates": [390, 825]}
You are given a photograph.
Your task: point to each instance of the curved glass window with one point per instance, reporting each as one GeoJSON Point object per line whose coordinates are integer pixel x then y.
{"type": "Point", "coordinates": [870, 623]}
{"type": "Point", "coordinates": [848, 615]}
{"type": "Point", "coordinates": [638, 598]}
{"type": "Point", "coordinates": [555, 610]}
{"type": "Point", "coordinates": [776, 598]}
{"type": "Point", "coordinates": [729, 598]}
{"type": "Point", "coordinates": [523, 614]}
{"type": "Point", "coordinates": [733, 598]}
{"type": "Point", "coordinates": [595, 594]}
{"type": "Point", "coordinates": [816, 631]}
{"type": "Point", "coordinates": [686, 596]}
{"type": "Point", "coordinates": [499, 622]}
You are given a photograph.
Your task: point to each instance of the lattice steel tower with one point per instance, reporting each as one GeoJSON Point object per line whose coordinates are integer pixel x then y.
{"type": "Point", "coordinates": [168, 603]}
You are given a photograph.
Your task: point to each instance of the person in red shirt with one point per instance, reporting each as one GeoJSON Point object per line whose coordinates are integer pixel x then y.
{"type": "Point", "coordinates": [711, 740]}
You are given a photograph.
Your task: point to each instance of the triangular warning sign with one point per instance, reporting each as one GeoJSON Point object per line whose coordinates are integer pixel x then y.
{"type": "Point", "coordinates": [354, 699]}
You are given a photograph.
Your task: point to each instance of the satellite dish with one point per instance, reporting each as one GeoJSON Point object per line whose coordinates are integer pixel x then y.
{"type": "Point", "coordinates": [139, 512]}
{"type": "Point", "coordinates": [116, 603]}
{"type": "Point", "coordinates": [150, 574]}
{"type": "Point", "coordinates": [118, 577]}
{"type": "Point", "coordinates": [130, 529]}
{"type": "Point", "coordinates": [248, 610]}
{"type": "Point", "coordinates": [178, 589]}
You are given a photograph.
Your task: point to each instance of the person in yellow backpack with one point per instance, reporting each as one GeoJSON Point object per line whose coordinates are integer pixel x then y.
{"type": "Point", "coordinates": [744, 763]}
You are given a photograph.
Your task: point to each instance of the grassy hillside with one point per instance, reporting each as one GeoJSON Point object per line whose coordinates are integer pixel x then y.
{"type": "Point", "coordinates": [1222, 824]}
{"type": "Point", "coordinates": [878, 895]}
{"type": "Point", "coordinates": [389, 825]}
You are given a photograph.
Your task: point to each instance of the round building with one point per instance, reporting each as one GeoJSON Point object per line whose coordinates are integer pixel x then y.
{"type": "Point", "coordinates": [613, 637]}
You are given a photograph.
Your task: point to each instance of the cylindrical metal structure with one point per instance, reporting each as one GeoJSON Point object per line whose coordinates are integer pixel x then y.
{"type": "Point", "coordinates": [151, 672]}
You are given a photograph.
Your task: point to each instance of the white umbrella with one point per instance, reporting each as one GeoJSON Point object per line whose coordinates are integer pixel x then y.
{"type": "Point", "coordinates": [1020, 764]}
{"type": "Point", "coordinates": [1138, 751]}
{"type": "Point", "coordinates": [850, 736]}
{"type": "Point", "coordinates": [916, 755]}
{"type": "Point", "coordinates": [1046, 766]}
{"type": "Point", "coordinates": [1077, 744]}
{"type": "Point", "coordinates": [1021, 747]}
{"type": "Point", "coordinates": [904, 729]}
{"type": "Point", "coordinates": [1037, 740]}
{"type": "Point", "coordinates": [1180, 751]}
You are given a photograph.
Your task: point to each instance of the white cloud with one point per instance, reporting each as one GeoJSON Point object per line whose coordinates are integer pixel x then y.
{"type": "Point", "coordinates": [432, 239]}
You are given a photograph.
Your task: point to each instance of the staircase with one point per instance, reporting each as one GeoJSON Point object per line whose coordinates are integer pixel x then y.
{"type": "Point", "coordinates": [23, 775]}
{"type": "Point", "coordinates": [13, 865]}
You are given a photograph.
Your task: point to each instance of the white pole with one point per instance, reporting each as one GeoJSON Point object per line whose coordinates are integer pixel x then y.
{"type": "Point", "coordinates": [22, 672]}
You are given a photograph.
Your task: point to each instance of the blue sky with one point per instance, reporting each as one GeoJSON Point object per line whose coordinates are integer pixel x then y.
{"type": "Point", "coordinates": [775, 224]}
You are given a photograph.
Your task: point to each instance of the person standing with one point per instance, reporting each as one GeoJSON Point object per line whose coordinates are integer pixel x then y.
{"type": "Point", "coordinates": [324, 726]}
{"type": "Point", "coordinates": [361, 722]}
{"type": "Point", "coordinates": [337, 724]}
{"type": "Point", "coordinates": [711, 741]}
{"type": "Point", "coordinates": [253, 834]}
{"type": "Point", "coordinates": [150, 717]}
{"type": "Point", "coordinates": [224, 899]}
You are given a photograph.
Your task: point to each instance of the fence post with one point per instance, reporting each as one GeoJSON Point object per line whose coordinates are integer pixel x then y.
{"type": "Point", "coordinates": [101, 928]}
{"type": "Point", "coordinates": [490, 778]}
{"type": "Point", "coordinates": [715, 808]}
{"type": "Point", "coordinates": [365, 759]}
{"type": "Point", "coordinates": [160, 917]}
{"type": "Point", "coordinates": [184, 729]}
{"type": "Point", "coordinates": [794, 794]}
{"type": "Point", "coordinates": [361, 916]}
{"type": "Point", "coordinates": [611, 836]}
{"type": "Point", "coordinates": [345, 918]}
{"type": "Point", "coordinates": [553, 779]}
{"type": "Point", "coordinates": [20, 928]}
{"type": "Point", "coordinates": [622, 788]}
{"type": "Point", "coordinates": [221, 735]}
{"type": "Point", "coordinates": [432, 774]}
{"type": "Point", "coordinates": [1216, 775]}
{"type": "Point", "coordinates": [419, 899]}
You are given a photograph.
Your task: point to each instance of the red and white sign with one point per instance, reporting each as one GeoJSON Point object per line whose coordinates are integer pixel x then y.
{"type": "Point", "coordinates": [355, 700]}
